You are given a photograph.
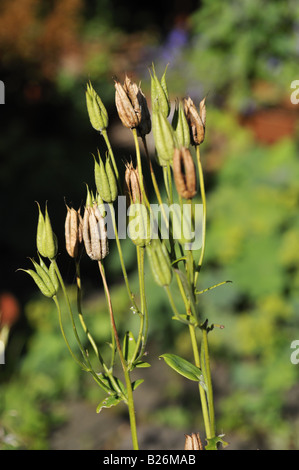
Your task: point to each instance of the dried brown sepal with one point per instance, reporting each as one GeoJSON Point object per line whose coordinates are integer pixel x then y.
{"type": "Point", "coordinates": [95, 234]}
{"type": "Point", "coordinates": [73, 231]}
{"type": "Point", "coordinates": [193, 442]}
{"type": "Point", "coordinates": [184, 173]}
{"type": "Point", "coordinates": [196, 120]}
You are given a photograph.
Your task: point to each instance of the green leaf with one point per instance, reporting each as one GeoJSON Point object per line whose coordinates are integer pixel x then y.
{"type": "Point", "coordinates": [183, 367]}
{"type": "Point", "coordinates": [108, 402]}
{"type": "Point", "coordinates": [141, 364]}
{"type": "Point", "coordinates": [136, 384]}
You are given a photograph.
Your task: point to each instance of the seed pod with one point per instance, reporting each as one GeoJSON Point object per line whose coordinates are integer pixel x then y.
{"type": "Point", "coordinates": [94, 234]}
{"type": "Point", "coordinates": [159, 94]}
{"type": "Point", "coordinates": [159, 262]}
{"type": "Point", "coordinates": [164, 138]}
{"type": "Point", "coordinates": [73, 231]}
{"type": "Point", "coordinates": [196, 120]}
{"type": "Point", "coordinates": [127, 103]}
{"type": "Point", "coordinates": [45, 278]}
{"type": "Point", "coordinates": [46, 240]}
{"type": "Point", "coordinates": [181, 126]}
{"type": "Point", "coordinates": [96, 110]}
{"type": "Point", "coordinates": [192, 442]}
{"type": "Point", "coordinates": [139, 224]}
{"type": "Point", "coordinates": [184, 173]}
{"type": "Point", "coordinates": [132, 187]}
{"type": "Point", "coordinates": [105, 179]}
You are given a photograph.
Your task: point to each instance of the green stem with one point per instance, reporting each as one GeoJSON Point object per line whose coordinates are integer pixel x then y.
{"type": "Point", "coordinates": [208, 379]}
{"type": "Point", "coordinates": [131, 295]}
{"type": "Point", "coordinates": [130, 401]}
{"type": "Point", "coordinates": [84, 353]}
{"type": "Point", "coordinates": [202, 394]}
{"type": "Point", "coordinates": [143, 330]}
{"type": "Point", "coordinates": [64, 335]}
{"type": "Point", "coordinates": [105, 135]}
{"type": "Point", "coordinates": [203, 197]}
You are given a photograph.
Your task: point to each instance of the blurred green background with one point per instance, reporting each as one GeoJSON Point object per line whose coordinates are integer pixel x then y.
{"type": "Point", "coordinates": [244, 56]}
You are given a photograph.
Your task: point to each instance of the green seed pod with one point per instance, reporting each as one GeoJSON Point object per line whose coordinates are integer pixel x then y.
{"type": "Point", "coordinates": [159, 94]}
{"type": "Point", "coordinates": [105, 179]}
{"type": "Point", "coordinates": [45, 290]}
{"type": "Point", "coordinates": [46, 240]}
{"type": "Point", "coordinates": [139, 224]}
{"type": "Point", "coordinates": [164, 138]}
{"type": "Point", "coordinates": [96, 110]}
{"type": "Point", "coordinates": [159, 262]}
{"type": "Point", "coordinates": [181, 126]}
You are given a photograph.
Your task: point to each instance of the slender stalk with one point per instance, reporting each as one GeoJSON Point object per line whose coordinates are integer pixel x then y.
{"type": "Point", "coordinates": [203, 197]}
{"type": "Point", "coordinates": [64, 335]}
{"type": "Point", "coordinates": [203, 398]}
{"type": "Point", "coordinates": [143, 330]}
{"type": "Point", "coordinates": [208, 379]}
{"type": "Point", "coordinates": [121, 258]}
{"type": "Point", "coordinates": [130, 401]}
{"type": "Point", "coordinates": [106, 138]}
{"type": "Point", "coordinates": [80, 314]}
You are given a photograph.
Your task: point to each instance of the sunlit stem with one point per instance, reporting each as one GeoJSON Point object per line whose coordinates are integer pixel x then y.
{"type": "Point", "coordinates": [129, 401]}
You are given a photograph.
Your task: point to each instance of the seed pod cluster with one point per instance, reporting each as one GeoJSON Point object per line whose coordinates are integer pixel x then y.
{"type": "Point", "coordinates": [132, 187]}
{"type": "Point", "coordinates": [184, 173]}
{"type": "Point", "coordinates": [95, 234]}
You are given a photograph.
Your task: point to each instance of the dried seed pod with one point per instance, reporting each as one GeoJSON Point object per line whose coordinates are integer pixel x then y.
{"type": "Point", "coordinates": [132, 106]}
{"type": "Point", "coordinates": [184, 173]}
{"type": "Point", "coordinates": [196, 120]}
{"type": "Point", "coordinates": [132, 187]}
{"type": "Point", "coordinates": [193, 442]}
{"type": "Point", "coordinates": [73, 231]}
{"type": "Point", "coordinates": [95, 233]}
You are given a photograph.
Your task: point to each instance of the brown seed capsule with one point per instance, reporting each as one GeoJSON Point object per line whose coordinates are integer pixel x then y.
{"type": "Point", "coordinates": [196, 120]}
{"type": "Point", "coordinates": [184, 173]}
{"type": "Point", "coordinates": [132, 106]}
{"type": "Point", "coordinates": [95, 234]}
{"type": "Point", "coordinates": [73, 231]}
{"type": "Point", "coordinates": [132, 187]}
{"type": "Point", "coordinates": [193, 442]}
